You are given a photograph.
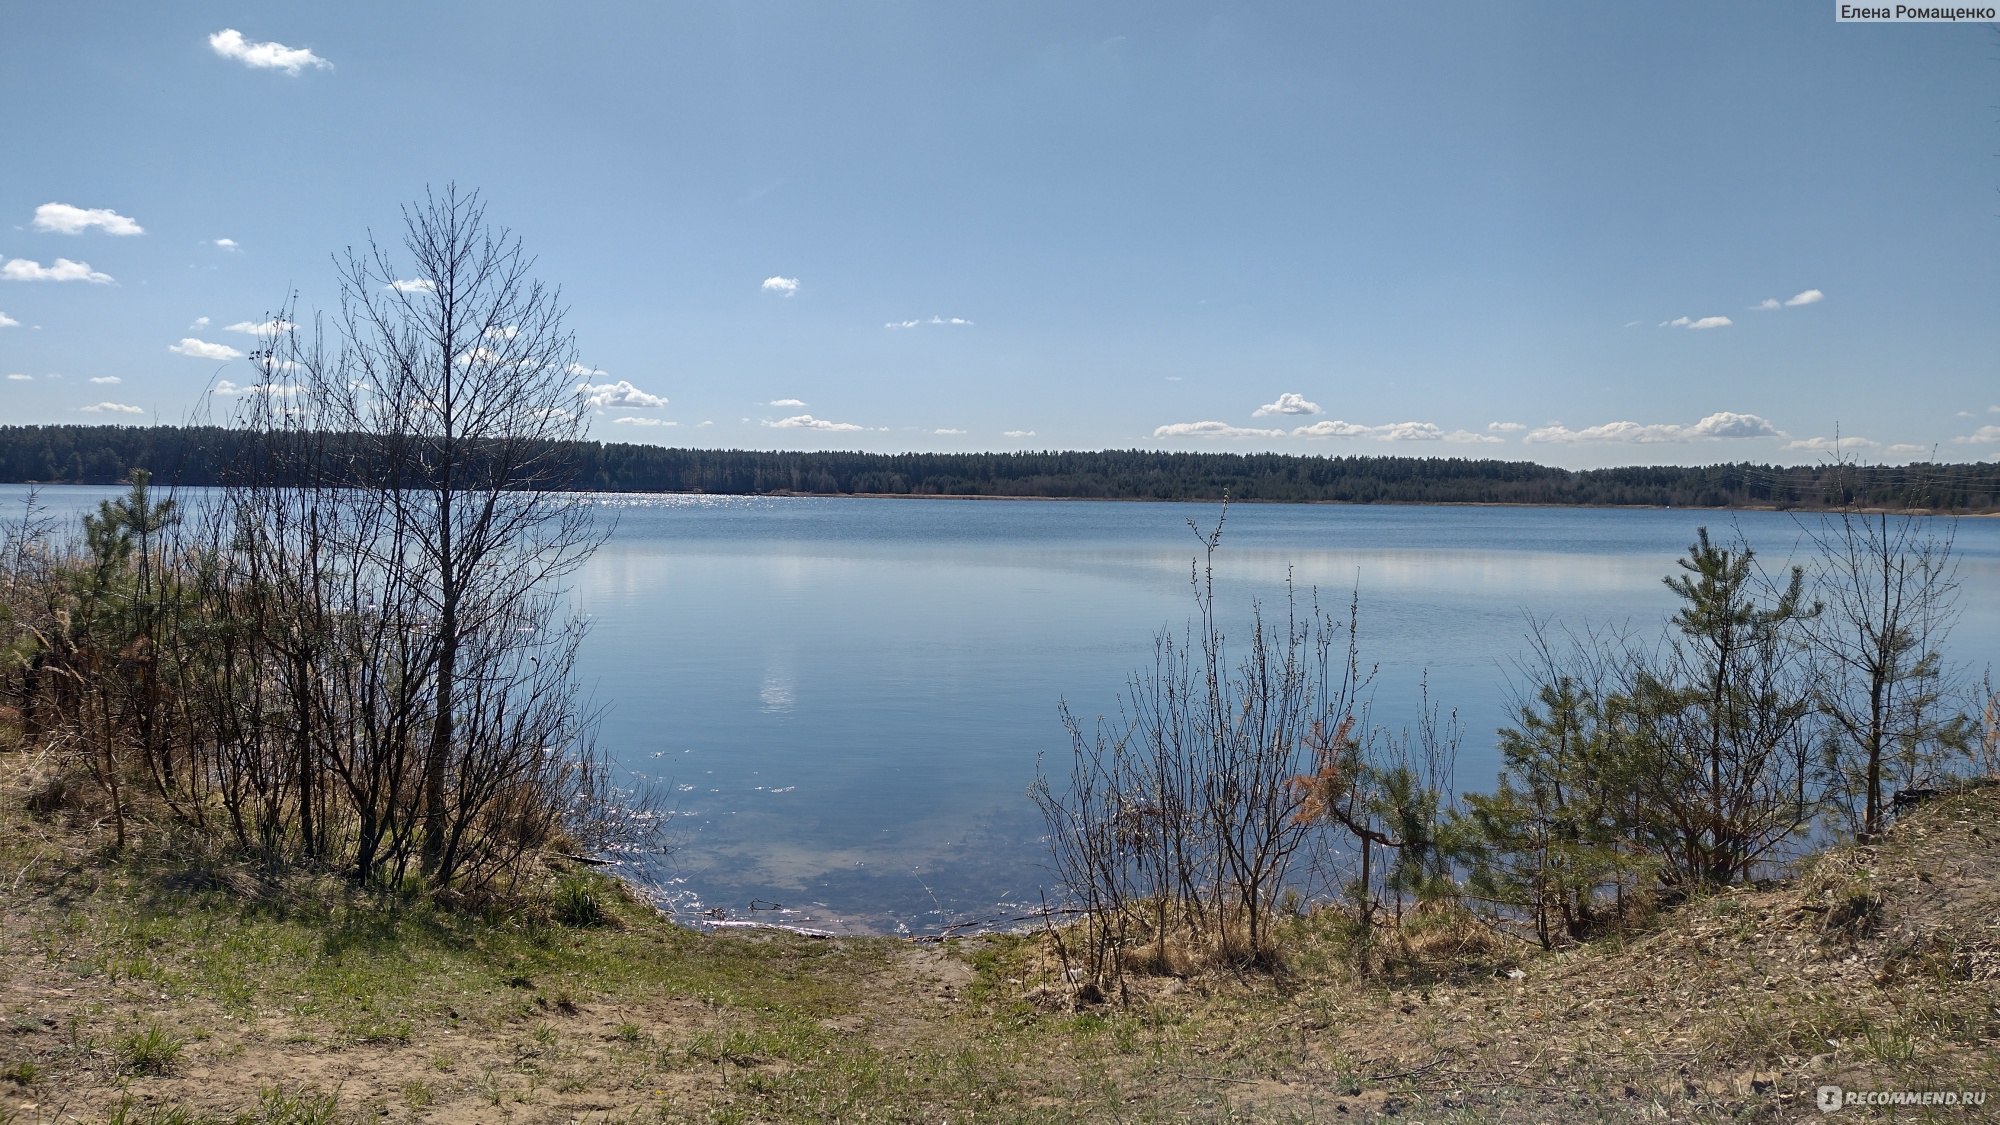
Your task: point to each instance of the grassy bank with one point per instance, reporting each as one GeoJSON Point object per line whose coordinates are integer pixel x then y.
{"type": "Point", "coordinates": [160, 986]}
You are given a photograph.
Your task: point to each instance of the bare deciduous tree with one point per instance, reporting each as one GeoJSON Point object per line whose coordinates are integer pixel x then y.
{"type": "Point", "coordinates": [1889, 587]}
{"type": "Point", "coordinates": [461, 372]}
{"type": "Point", "coordinates": [401, 539]}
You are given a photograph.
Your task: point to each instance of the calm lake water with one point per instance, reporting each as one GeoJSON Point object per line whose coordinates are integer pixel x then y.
{"type": "Point", "coordinates": [844, 699]}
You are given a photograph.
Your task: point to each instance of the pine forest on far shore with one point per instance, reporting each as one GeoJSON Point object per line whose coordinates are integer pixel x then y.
{"type": "Point", "coordinates": [193, 456]}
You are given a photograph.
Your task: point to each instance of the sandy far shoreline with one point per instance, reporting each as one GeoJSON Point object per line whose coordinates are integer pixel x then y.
{"type": "Point", "coordinates": [789, 494]}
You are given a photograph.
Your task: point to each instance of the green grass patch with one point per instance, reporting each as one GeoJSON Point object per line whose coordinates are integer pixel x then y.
{"type": "Point", "coordinates": [276, 1106]}
{"type": "Point", "coordinates": [150, 1050]}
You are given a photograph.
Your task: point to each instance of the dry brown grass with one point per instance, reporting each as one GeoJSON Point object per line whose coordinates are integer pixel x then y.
{"type": "Point", "coordinates": [1876, 968]}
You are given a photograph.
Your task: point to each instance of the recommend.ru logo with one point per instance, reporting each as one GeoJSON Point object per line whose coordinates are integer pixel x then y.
{"type": "Point", "coordinates": [1832, 1098]}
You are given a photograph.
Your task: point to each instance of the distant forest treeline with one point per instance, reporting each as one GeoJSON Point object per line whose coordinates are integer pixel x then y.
{"type": "Point", "coordinates": [202, 455]}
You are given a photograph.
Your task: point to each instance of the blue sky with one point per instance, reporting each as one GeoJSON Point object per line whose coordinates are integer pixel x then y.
{"type": "Point", "coordinates": [1439, 229]}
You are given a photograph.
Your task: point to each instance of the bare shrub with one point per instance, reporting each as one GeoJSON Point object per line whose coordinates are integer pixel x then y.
{"type": "Point", "coordinates": [1890, 589]}
{"type": "Point", "coordinates": [1182, 822]}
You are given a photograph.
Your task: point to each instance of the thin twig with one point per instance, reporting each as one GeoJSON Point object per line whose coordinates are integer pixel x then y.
{"type": "Point", "coordinates": [1431, 1065]}
{"type": "Point", "coordinates": [1493, 1085]}
{"type": "Point", "coordinates": [30, 866]}
{"type": "Point", "coordinates": [1206, 1077]}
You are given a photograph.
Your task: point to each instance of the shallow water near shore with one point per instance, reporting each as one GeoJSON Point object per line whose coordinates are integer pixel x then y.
{"type": "Point", "coordinates": [842, 701]}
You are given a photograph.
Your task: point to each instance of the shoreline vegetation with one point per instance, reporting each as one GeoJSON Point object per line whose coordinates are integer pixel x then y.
{"type": "Point", "coordinates": [171, 984]}
{"type": "Point", "coordinates": [202, 456]}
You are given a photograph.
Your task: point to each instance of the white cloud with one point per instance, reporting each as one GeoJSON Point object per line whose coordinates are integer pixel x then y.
{"type": "Point", "coordinates": [1729, 424]}
{"type": "Point", "coordinates": [480, 354]}
{"type": "Point", "coordinates": [1211, 429]}
{"type": "Point", "coordinates": [1809, 297]}
{"type": "Point", "coordinates": [1394, 431]}
{"type": "Point", "coordinates": [957, 321]}
{"type": "Point", "coordinates": [230, 44]}
{"type": "Point", "coordinates": [1908, 450]}
{"type": "Point", "coordinates": [786, 286]}
{"type": "Point", "coordinates": [106, 380]}
{"type": "Point", "coordinates": [704, 422]}
{"type": "Point", "coordinates": [61, 218]}
{"type": "Point", "coordinates": [21, 269]}
{"type": "Point", "coordinates": [902, 324]}
{"type": "Point", "coordinates": [110, 408]}
{"type": "Point", "coordinates": [17, 377]}
{"type": "Point", "coordinates": [1843, 444]}
{"type": "Point", "coordinates": [1505, 427]}
{"type": "Point", "coordinates": [1410, 431]}
{"type": "Point", "coordinates": [1288, 403]}
{"type": "Point", "coordinates": [635, 420]}
{"type": "Point", "coordinates": [227, 244]}
{"type": "Point", "coordinates": [1980, 436]}
{"type": "Point", "coordinates": [199, 322]}
{"type": "Point", "coordinates": [808, 422]}
{"type": "Point", "coordinates": [1993, 410]}
{"type": "Point", "coordinates": [1333, 427]}
{"type": "Point", "coordinates": [1696, 325]}
{"type": "Point", "coordinates": [620, 394]}
{"type": "Point", "coordinates": [8, 321]}
{"type": "Point", "coordinates": [949, 433]}
{"type": "Point", "coordinates": [942, 321]}
{"type": "Point", "coordinates": [579, 371]}
{"type": "Point", "coordinates": [414, 285]}
{"type": "Point", "coordinates": [276, 390]}
{"type": "Point", "coordinates": [1629, 432]}
{"type": "Point", "coordinates": [202, 349]}
{"type": "Point", "coordinates": [1017, 434]}
{"type": "Point", "coordinates": [1722, 424]}
{"type": "Point", "coordinates": [272, 327]}
{"type": "Point", "coordinates": [503, 332]}
{"type": "Point", "coordinates": [784, 402]}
